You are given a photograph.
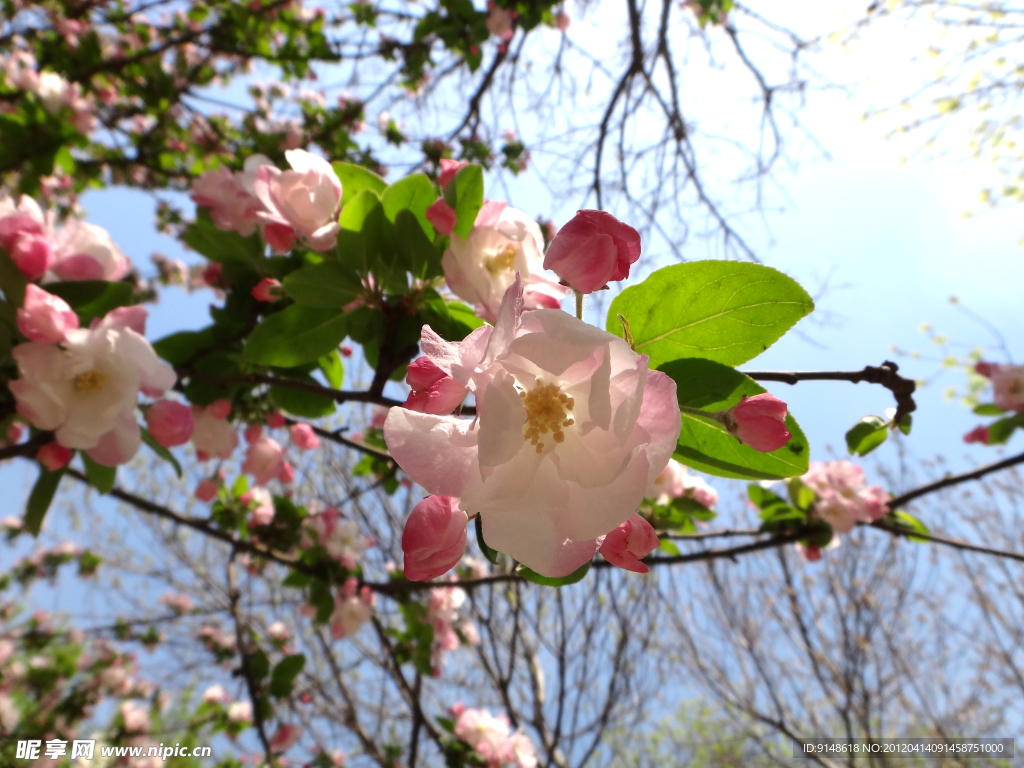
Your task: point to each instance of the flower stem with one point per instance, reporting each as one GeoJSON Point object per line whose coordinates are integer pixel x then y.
{"type": "Point", "coordinates": [698, 412]}
{"type": "Point", "coordinates": [579, 305]}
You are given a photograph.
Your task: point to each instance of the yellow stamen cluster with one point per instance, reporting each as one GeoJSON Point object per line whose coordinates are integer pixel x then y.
{"type": "Point", "coordinates": [546, 411]}
{"type": "Point", "coordinates": [501, 260]}
{"type": "Point", "coordinates": [91, 381]}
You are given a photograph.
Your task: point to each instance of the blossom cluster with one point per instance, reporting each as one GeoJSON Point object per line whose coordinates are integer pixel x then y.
{"type": "Point", "coordinates": [443, 606]}
{"type": "Point", "coordinates": [490, 737]}
{"type": "Point", "coordinates": [843, 496]}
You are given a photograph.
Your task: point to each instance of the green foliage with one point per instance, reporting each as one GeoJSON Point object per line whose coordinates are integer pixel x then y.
{"type": "Point", "coordinates": [309, 405]}
{"type": "Point", "coordinates": [866, 435]}
{"type": "Point", "coordinates": [100, 477]}
{"type": "Point", "coordinates": [354, 179]}
{"type": "Point", "coordinates": [160, 451]}
{"type": "Point", "coordinates": [12, 281]}
{"type": "Point", "coordinates": [465, 194]}
{"type": "Point", "coordinates": [327, 285]}
{"type": "Point", "coordinates": [218, 245]}
{"type": "Point", "coordinates": [680, 514]}
{"type": "Point", "coordinates": [559, 581]}
{"type": "Point", "coordinates": [906, 522]}
{"type": "Point", "coordinates": [294, 336]}
{"type": "Point", "coordinates": [725, 311]}
{"type": "Point", "coordinates": [706, 446]}
{"type": "Point", "coordinates": [282, 680]}
{"type": "Point", "coordinates": [490, 554]}
{"type": "Point", "coordinates": [92, 298]}
{"type": "Point", "coordinates": [40, 499]}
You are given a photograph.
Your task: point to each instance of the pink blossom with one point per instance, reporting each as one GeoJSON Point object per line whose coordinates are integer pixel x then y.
{"type": "Point", "coordinates": [434, 538]}
{"type": "Point", "coordinates": [561, 21]}
{"type": "Point", "coordinates": [592, 250]}
{"type": "Point", "coordinates": [843, 497]}
{"type": "Point", "coordinates": [571, 429]}
{"type": "Point", "coordinates": [287, 474]}
{"type": "Point", "coordinates": [240, 712]}
{"type": "Point", "coordinates": [170, 423]}
{"type": "Point", "coordinates": [178, 603]}
{"type": "Point", "coordinates": [263, 460]}
{"type": "Point", "coordinates": [86, 252]}
{"type": "Point", "coordinates": [278, 631]}
{"type": "Point", "coordinates": [979, 434]}
{"type": "Point", "coordinates": [350, 613]}
{"type": "Point", "coordinates": [207, 489]}
{"type": "Point", "coordinates": [627, 544]}
{"type": "Point", "coordinates": [442, 216]}
{"type": "Point", "coordinates": [263, 513]}
{"type": "Point", "coordinates": [484, 732]}
{"type": "Point", "coordinates": [54, 456]}
{"type": "Point", "coordinates": [253, 432]}
{"type": "Point", "coordinates": [499, 21]}
{"type": "Point", "coordinates": [380, 415]}
{"type": "Point", "coordinates": [216, 694]}
{"type": "Point", "coordinates": [213, 436]}
{"type": "Point", "coordinates": [136, 718]}
{"type": "Point", "coordinates": [448, 170]}
{"type": "Point", "coordinates": [285, 738]}
{"type": "Point", "coordinates": [303, 437]}
{"type": "Point", "coordinates": [26, 236]}
{"type": "Point", "coordinates": [44, 317]}
{"type": "Point", "coordinates": [341, 538]}
{"type": "Point", "coordinates": [306, 199]}
{"type": "Point", "coordinates": [760, 422]}
{"type": "Point", "coordinates": [15, 432]}
{"type": "Point", "coordinates": [503, 242]}
{"type": "Point", "coordinates": [87, 392]}
{"type": "Point", "coordinates": [268, 289]}
{"type": "Point", "coordinates": [433, 391]}
{"type": "Point", "coordinates": [346, 350]}
{"type": "Point", "coordinates": [231, 196]}
{"type": "Point", "coordinates": [275, 420]}
{"type": "Point", "coordinates": [1008, 387]}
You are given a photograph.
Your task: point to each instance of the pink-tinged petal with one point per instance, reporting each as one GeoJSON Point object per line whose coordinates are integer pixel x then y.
{"type": "Point", "coordinates": [442, 216]}
{"type": "Point", "coordinates": [170, 423]}
{"type": "Point", "coordinates": [978, 435]}
{"type": "Point", "coordinates": [119, 444]}
{"type": "Point", "coordinates": [280, 237]}
{"type": "Point", "coordinates": [133, 317]}
{"type": "Point", "coordinates": [53, 456]}
{"type": "Point", "coordinates": [437, 452]}
{"type": "Point", "coordinates": [434, 538]}
{"type": "Point", "coordinates": [593, 249]}
{"type": "Point", "coordinates": [661, 419]}
{"type": "Point", "coordinates": [502, 417]}
{"type": "Point", "coordinates": [443, 354]}
{"type": "Point", "coordinates": [78, 267]}
{"type": "Point", "coordinates": [440, 399]}
{"type": "Point", "coordinates": [448, 170]}
{"type": "Point", "coordinates": [629, 543]}
{"type": "Point", "coordinates": [423, 372]}
{"type": "Point", "coordinates": [267, 290]}
{"type": "Point", "coordinates": [490, 213]}
{"type": "Point", "coordinates": [507, 324]}
{"type": "Point", "coordinates": [325, 238]}
{"type": "Point", "coordinates": [44, 317]}
{"type": "Point", "coordinates": [594, 511]}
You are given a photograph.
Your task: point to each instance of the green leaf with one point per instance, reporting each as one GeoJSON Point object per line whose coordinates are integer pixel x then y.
{"type": "Point", "coordinates": [40, 498]}
{"type": "Point", "coordinates": [462, 321]}
{"type": "Point", "coordinates": [800, 495]}
{"type": "Point", "coordinates": [283, 677]}
{"type": "Point", "coordinates": [725, 311]}
{"type": "Point", "coordinates": [420, 255]}
{"type": "Point", "coordinates": [259, 664]}
{"type": "Point", "coordinates": [355, 178]}
{"type": "Point", "coordinates": [905, 521]}
{"type": "Point", "coordinates": [866, 435]}
{"type": "Point", "coordinates": [490, 554]}
{"type": "Point", "coordinates": [320, 596]}
{"type": "Point", "coordinates": [217, 245]}
{"type": "Point", "coordinates": [906, 423]}
{"type": "Point", "coordinates": [465, 193]}
{"type": "Point", "coordinates": [989, 409]}
{"type": "Point", "coordinates": [160, 451]}
{"type": "Point", "coordinates": [1000, 431]}
{"type": "Point", "coordinates": [706, 446]}
{"type": "Point", "coordinates": [180, 347]}
{"type": "Point", "coordinates": [549, 581]}
{"type": "Point", "coordinates": [365, 241]}
{"type": "Point", "coordinates": [298, 403]}
{"type": "Point", "coordinates": [12, 281]}
{"type": "Point", "coordinates": [333, 369]}
{"type": "Point", "coordinates": [415, 194]}
{"type": "Point", "coordinates": [92, 298]}
{"type": "Point", "coordinates": [294, 336]}
{"type": "Point", "coordinates": [100, 477]}
{"type": "Point", "coordinates": [296, 579]}
{"type": "Point", "coordinates": [668, 547]}
{"type": "Point", "coordinates": [327, 285]}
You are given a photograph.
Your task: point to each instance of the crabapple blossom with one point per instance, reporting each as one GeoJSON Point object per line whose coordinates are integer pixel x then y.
{"type": "Point", "coordinates": [351, 612]}
{"type": "Point", "coordinates": [240, 712]}
{"type": "Point", "coordinates": [499, 21]}
{"type": "Point", "coordinates": [136, 718]}
{"type": "Point", "coordinates": [448, 170]}
{"type": "Point", "coordinates": [278, 631]}
{"type": "Point", "coordinates": [285, 737]}
{"type": "Point", "coordinates": [675, 482]}
{"type": "Point", "coordinates": [287, 474]}
{"type": "Point", "coordinates": [207, 489]}
{"type": "Point", "coordinates": [275, 420]}
{"type": "Point", "coordinates": [84, 251]}
{"type": "Point", "coordinates": [979, 434]}
{"type": "Point", "coordinates": [44, 317]}
{"type": "Point", "coordinates": [216, 694]}
{"type": "Point", "coordinates": [843, 496]}
{"type": "Point", "coordinates": [302, 201]}
{"type": "Point", "coordinates": [231, 197]}
{"type": "Point", "coordinates": [433, 391]}
{"type": "Point", "coordinates": [758, 421]}
{"type": "Point", "coordinates": [341, 538]}
{"type": "Point", "coordinates": [268, 290]}
{"type": "Point", "coordinates": [627, 544]}
{"type": "Point", "coordinates": [503, 242]}
{"type": "Point", "coordinates": [1007, 384]}
{"type": "Point", "coordinates": [562, 21]}
{"type": "Point", "coordinates": [170, 423]}
{"type": "Point", "coordinates": [571, 429]}
{"type": "Point", "coordinates": [434, 538]}
{"type": "Point", "coordinates": [442, 216]}
{"type": "Point", "coordinates": [212, 435]}
{"type": "Point", "coordinates": [592, 250]}
{"type": "Point", "coordinates": [54, 456]}
{"type": "Point", "coordinates": [303, 437]}
{"type": "Point", "coordinates": [177, 603]}
{"type": "Point", "coordinates": [87, 392]}
{"type": "Point", "coordinates": [484, 732]}
{"type": "Point", "coordinates": [26, 235]}
{"type": "Point", "coordinates": [263, 513]}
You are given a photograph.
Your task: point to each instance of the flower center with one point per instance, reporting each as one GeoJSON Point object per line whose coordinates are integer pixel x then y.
{"type": "Point", "coordinates": [547, 410]}
{"type": "Point", "coordinates": [91, 381]}
{"type": "Point", "coordinates": [501, 260]}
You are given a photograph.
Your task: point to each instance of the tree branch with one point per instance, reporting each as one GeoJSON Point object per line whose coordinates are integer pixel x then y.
{"type": "Point", "coordinates": [949, 480]}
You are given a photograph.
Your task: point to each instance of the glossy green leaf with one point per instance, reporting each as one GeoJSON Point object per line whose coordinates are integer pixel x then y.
{"type": "Point", "coordinates": [989, 409]}
{"type": "Point", "coordinates": [294, 336]}
{"type": "Point", "coordinates": [355, 178]}
{"type": "Point", "coordinates": [415, 194]}
{"type": "Point", "coordinates": [419, 255]}
{"type": "Point", "coordinates": [12, 281]}
{"type": "Point", "coordinates": [365, 241]}
{"type": "Point", "coordinates": [100, 477]}
{"type": "Point", "coordinates": [866, 435]}
{"type": "Point", "coordinates": [321, 597]}
{"type": "Point", "coordinates": [465, 194]}
{"type": "Point", "coordinates": [92, 298]}
{"type": "Point", "coordinates": [462, 321]}
{"type": "Point", "coordinates": [725, 311]}
{"type": "Point", "coordinates": [283, 677]}
{"type": "Point", "coordinates": [706, 446]}
{"type": "Point", "coordinates": [906, 423]}
{"type": "Point", "coordinates": [40, 499]}
{"type": "Point", "coordinates": [1001, 430]}
{"type": "Point", "coordinates": [333, 369]}
{"type": "Point", "coordinates": [309, 405]}
{"type": "Point", "coordinates": [907, 522]}
{"type": "Point", "coordinates": [327, 285]}
{"type": "Point", "coordinates": [490, 554]}
{"type": "Point", "coordinates": [218, 245]}
{"type": "Point", "coordinates": [180, 347]}
{"type": "Point", "coordinates": [668, 547]}
{"type": "Point", "coordinates": [160, 451]}
{"type": "Point", "coordinates": [549, 581]}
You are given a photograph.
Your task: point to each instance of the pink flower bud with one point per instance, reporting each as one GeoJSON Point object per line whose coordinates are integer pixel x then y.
{"type": "Point", "coordinates": [433, 391]}
{"type": "Point", "coordinates": [561, 21]}
{"type": "Point", "coordinates": [253, 433]}
{"type": "Point", "coordinates": [448, 170]}
{"type": "Point", "coordinates": [442, 216]}
{"type": "Point", "coordinates": [760, 422]}
{"type": "Point", "coordinates": [811, 553]}
{"type": "Point", "coordinates": [592, 250]}
{"type": "Point", "coordinates": [170, 423]}
{"type": "Point", "coordinates": [434, 538]}
{"type": "Point", "coordinates": [33, 255]}
{"type": "Point", "coordinates": [267, 289]}
{"type": "Point", "coordinates": [219, 409]}
{"type": "Point", "coordinates": [275, 420]}
{"type": "Point", "coordinates": [984, 369]}
{"type": "Point", "coordinates": [44, 317]}
{"type": "Point", "coordinates": [630, 542]}
{"type": "Point", "coordinates": [350, 587]}
{"type": "Point", "coordinates": [54, 456]}
{"type": "Point", "coordinates": [263, 460]}
{"type": "Point", "coordinates": [303, 437]}
{"type": "Point", "coordinates": [287, 473]}
{"type": "Point", "coordinates": [346, 350]}
{"type": "Point", "coordinates": [207, 489]}
{"type": "Point", "coordinates": [978, 435]}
